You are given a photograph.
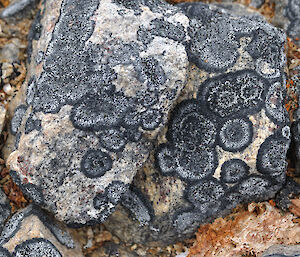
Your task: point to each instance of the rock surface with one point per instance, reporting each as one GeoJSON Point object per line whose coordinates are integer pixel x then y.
{"type": "Point", "coordinates": [227, 138]}
{"type": "Point", "coordinates": [102, 78]}
{"type": "Point", "coordinates": [282, 251]}
{"type": "Point", "coordinates": [32, 232]}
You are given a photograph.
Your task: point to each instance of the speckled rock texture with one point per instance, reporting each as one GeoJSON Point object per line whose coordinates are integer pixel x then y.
{"type": "Point", "coordinates": [282, 251]}
{"type": "Point", "coordinates": [226, 139]}
{"type": "Point", "coordinates": [5, 209]}
{"type": "Point", "coordinates": [102, 78]}
{"type": "Point", "coordinates": [33, 232]}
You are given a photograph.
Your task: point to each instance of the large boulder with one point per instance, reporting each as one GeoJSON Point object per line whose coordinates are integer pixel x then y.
{"type": "Point", "coordinates": [226, 139]}
{"type": "Point", "coordinates": [102, 78]}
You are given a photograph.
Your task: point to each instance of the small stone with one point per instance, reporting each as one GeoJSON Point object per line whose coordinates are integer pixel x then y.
{"type": "Point", "coordinates": [38, 234]}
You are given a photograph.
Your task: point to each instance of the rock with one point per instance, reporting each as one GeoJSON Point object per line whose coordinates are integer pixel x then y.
{"type": "Point", "coordinates": [33, 232]}
{"type": "Point", "coordinates": [5, 209]}
{"type": "Point", "coordinates": [102, 78]}
{"type": "Point", "coordinates": [227, 138]}
{"type": "Point", "coordinates": [282, 251]}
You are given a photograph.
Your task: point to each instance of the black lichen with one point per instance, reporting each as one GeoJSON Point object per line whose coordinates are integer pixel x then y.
{"type": "Point", "coordinates": [151, 119]}
{"type": "Point", "coordinates": [236, 134]}
{"type": "Point", "coordinates": [205, 192]}
{"type": "Point", "coordinates": [38, 247]}
{"type": "Point", "coordinates": [266, 49]}
{"type": "Point", "coordinates": [95, 163]}
{"type": "Point", "coordinates": [32, 123]}
{"type": "Point", "coordinates": [234, 170]}
{"type": "Point", "coordinates": [4, 252]}
{"type": "Point", "coordinates": [190, 127]}
{"type": "Point", "coordinates": [139, 207]}
{"type": "Point", "coordinates": [190, 153]}
{"type": "Point", "coordinates": [271, 157]}
{"type": "Point", "coordinates": [33, 192]}
{"type": "Point", "coordinates": [234, 94]}
{"type": "Point", "coordinates": [113, 140]}
{"type": "Point", "coordinates": [214, 41]}
{"type": "Point", "coordinates": [105, 202]}
{"type": "Point", "coordinates": [97, 112]}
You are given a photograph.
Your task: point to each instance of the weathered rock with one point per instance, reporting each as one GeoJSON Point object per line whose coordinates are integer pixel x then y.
{"type": "Point", "coordinates": [32, 232]}
{"type": "Point", "coordinates": [227, 138]}
{"type": "Point", "coordinates": [5, 209]}
{"type": "Point", "coordinates": [102, 78]}
{"type": "Point", "coordinates": [282, 251]}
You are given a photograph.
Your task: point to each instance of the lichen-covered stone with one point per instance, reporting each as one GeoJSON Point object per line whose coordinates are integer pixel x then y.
{"type": "Point", "coordinates": [102, 78]}
{"type": "Point", "coordinates": [227, 138]}
{"type": "Point", "coordinates": [33, 232]}
{"type": "Point", "coordinates": [282, 251]}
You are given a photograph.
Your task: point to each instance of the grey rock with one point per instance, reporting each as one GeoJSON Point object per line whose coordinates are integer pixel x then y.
{"type": "Point", "coordinates": [34, 231]}
{"type": "Point", "coordinates": [227, 137]}
{"type": "Point", "coordinates": [100, 85]}
{"type": "Point", "coordinates": [282, 251]}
